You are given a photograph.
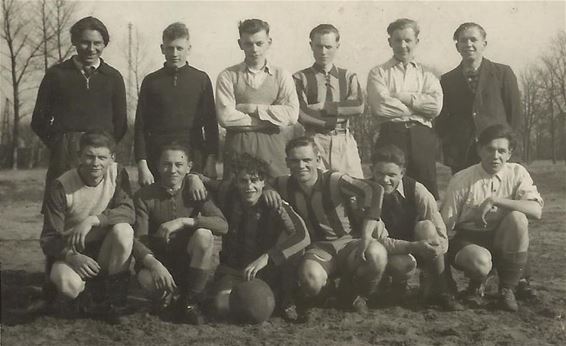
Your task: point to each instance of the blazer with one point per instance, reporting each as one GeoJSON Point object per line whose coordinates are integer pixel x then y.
{"type": "Point", "coordinates": [465, 115]}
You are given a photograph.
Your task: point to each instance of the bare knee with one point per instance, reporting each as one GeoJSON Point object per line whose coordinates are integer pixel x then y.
{"type": "Point", "coordinates": [376, 256]}
{"type": "Point", "coordinates": [474, 260]}
{"type": "Point", "coordinates": [67, 281]}
{"type": "Point", "coordinates": [401, 267]}
{"type": "Point", "coordinates": [425, 230]}
{"type": "Point", "coordinates": [312, 277]}
{"type": "Point", "coordinates": [122, 236]}
{"type": "Point", "coordinates": [202, 239]}
{"type": "Point", "coordinates": [516, 221]}
{"type": "Point", "coordinates": [145, 280]}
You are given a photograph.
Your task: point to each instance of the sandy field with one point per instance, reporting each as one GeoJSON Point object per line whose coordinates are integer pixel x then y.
{"type": "Point", "coordinates": [538, 322]}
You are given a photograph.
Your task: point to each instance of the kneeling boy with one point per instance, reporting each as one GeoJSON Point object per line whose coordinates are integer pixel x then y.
{"type": "Point", "coordinates": [86, 232]}
{"type": "Point", "coordinates": [177, 239]}
{"type": "Point", "coordinates": [486, 207]}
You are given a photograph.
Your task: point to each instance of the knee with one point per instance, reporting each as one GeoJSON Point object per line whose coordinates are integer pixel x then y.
{"type": "Point", "coordinates": [517, 221]}
{"type": "Point", "coordinates": [425, 230]}
{"type": "Point", "coordinates": [312, 277]}
{"type": "Point", "coordinates": [202, 240]}
{"type": "Point", "coordinates": [122, 235]}
{"type": "Point", "coordinates": [146, 280]}
{"type": "Point", "coordinates": [475, 260]}
{"type": "Point", "coordinates": [376, 256]}
{"type": "Point", "coordinates": [68, 283]}
{"type": "Point", "coordinates": [401, 266]}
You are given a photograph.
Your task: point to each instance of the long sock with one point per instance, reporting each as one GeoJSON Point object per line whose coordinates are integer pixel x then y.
{"type": "Point", "coordinates": [196, 283]}
{"type": "Point", "coordinates": [510, 268]}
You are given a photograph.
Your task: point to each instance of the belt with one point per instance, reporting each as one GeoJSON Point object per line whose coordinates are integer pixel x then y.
{"type": "Point", "coordinates": [405, 124]}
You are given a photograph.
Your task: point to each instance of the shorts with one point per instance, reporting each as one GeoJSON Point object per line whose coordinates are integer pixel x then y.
{"type": "Point", "coordinates": [332, 255]}
{"type": "Point", "coordinates": [464, 238]}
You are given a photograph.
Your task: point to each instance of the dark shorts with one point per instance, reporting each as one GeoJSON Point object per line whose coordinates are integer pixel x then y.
{"type": "Point", "coordinates": [332, 255]}
{"type": "Point", "coordinates": [464, 238]}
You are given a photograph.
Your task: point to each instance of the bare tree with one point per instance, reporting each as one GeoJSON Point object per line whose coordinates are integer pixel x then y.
{"type": "Point", "coordinates": [532, 106]}
{"type": "Point", "coordinates": [64, 17]}
{"type": "Point", "coordinates": [22, 50]}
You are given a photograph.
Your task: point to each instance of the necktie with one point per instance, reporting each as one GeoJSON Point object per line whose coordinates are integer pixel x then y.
{"type": "Point", "coordinates": [329, 96]}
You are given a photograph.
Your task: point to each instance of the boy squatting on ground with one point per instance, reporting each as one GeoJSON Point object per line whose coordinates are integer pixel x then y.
{"type": "Point", "coordinates": [485, 209]}
{"type": "Point", "coordinates": [415, 233]}
{"type": "Point", "coordinates": [176, 103]}
{"type": "Point", "coordinates": [177, 238]}
{"type": "Point", "coordinates": [86, 233]}
{"type": "Point", "coordinates": [262, 241]}
{"type": "Point", "coordinates": [340, 247]}
{"type": "Point", "coordinates": [328, 97]}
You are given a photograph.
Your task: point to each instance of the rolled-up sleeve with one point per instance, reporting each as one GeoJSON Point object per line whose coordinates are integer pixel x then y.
{"type": "Point", "coordinates": [527, 190]}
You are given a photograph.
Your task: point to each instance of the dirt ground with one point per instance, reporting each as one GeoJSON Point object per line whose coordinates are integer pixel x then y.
{"type": "Point", "coordinates": [538, 322]}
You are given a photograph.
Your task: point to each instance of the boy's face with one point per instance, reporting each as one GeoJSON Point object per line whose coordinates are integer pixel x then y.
{"type": "Point", "coordinates": [471, 44]}
{"type": "Point", "coordinates": [176, 51]}
{"type": "Point", "coordinates": [324, 48]}
{"type": "Point", "coordinates": [404, 43]}
{"type": "Point", "coordinates": [255, 46]}
{"type": "Point", "coordinates": [388, 175]}
{"type": "Point", "coordinates": [494, 155]}
{"type": "Point", "coordinates": [94, 161]}
{"type": "Point", "coordinates": [89, 47]}
{"type": "Point", "coordinates": [250, 187]}
{"type": "Point", "coordinates": [303, 164]}
{"type": "Point", "coordinates": [174, 165]}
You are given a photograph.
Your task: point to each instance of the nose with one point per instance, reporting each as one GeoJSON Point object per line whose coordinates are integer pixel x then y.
{"type": "Point", "coordinates": [91, 47]}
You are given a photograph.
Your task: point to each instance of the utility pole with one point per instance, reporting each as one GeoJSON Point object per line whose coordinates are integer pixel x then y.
{"type": "Point", "coordinates": [130, 65]}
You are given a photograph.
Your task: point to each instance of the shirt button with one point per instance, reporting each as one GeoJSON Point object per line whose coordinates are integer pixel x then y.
{"type": "Point", "coordinates": [475, 114]}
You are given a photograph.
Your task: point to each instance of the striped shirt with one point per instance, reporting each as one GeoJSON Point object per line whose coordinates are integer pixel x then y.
{"type": "Point", "coordinates": [336, 93]}
{"type": "Point", "coordinates": [259, 229]}
{"type": "Point", "coordinates": [329, 210]}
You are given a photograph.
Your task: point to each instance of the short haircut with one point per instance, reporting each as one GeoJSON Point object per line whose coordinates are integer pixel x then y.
{"type": "Point", "coordinates": [97, 139]}
{"type": "Point", "coordinates": [389, 153]}
{"type": "Point", "coordinates": [250, 165]}
{"type": "Point", "coordinates": [403, 23]}
{"type": "Point", "coordinates": [176, 146]}
{"type": "Point", "coordinates": [175, 31]}
{"type": "Point", "coordinates": [467, 26]}
{"type": "Point", "coordinates": [252, 26]}
{"type": "Point", "coordinates": [89, 23]}
{"type": "Point", "coordinates": [300, 142]}
{"type": "Point", "coordinates": [496, 132]}
{"type": "Point", "coordinates": [322, 29]}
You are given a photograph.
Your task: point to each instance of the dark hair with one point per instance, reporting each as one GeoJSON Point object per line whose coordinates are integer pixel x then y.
{"type": "Point", "coordinates": [89, 23]}
{"type": "Point", "coordinates": [466, 26]}
{"type": "Point", "coordinates": [250, 165]}
{"type": "Point", "coordinates": [97, 139]}
{"type": "Point", "coordinates": [403, 23]}
{"type": "Point", "coordinates": [389, 153]}
{"type": "Point", "coordinates": [252, 26]}
{"type": "Point", "coordinates": [325, 29]}
{"type": "Point", "coordinates": [300, 142]}
{"type": "Point", "coordinates": [176, 146]}
{"type": "Point", "coordinates": [496, 132]}
{"type": "Point", "coordinates": [175, 31]}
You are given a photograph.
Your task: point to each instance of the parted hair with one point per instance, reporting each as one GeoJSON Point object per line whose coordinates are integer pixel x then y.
{"type": "Point", "coordinates": [466, 26]}
{"type": "Point", "coordinates": [496, 132]}
{"type": "Point", "coordinates": [403, 23]}
{"type": "Point", "coordinates": [252, 26]}
{"type": "Point", "coordinates": [389, 153]}
{"type": "Point", "coordinates": [176, 146]}
{"type": "Point", "coordinates": [250, 165]}
{"type": "Point", "coordinates": [97, 139]}
{"type": "Point", "coordinates": [175, 31]}
{"type": "Point", "coordinates": [300, 142]}
{"type": "Point", "coordinates": [89, 23]}
{"type": "Point", "coordinates": [322, 29]}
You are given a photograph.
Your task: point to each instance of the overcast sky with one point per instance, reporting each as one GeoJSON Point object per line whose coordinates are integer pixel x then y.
{"type": "Point", "coordinates": [518, 32]}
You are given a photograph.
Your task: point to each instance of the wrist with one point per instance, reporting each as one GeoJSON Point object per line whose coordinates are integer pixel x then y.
{"type": "Point", "coordinates": [142, 164]}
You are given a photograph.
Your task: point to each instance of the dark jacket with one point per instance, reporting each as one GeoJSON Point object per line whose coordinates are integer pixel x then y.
{"type": "Point", "coordinates": [465, 115]}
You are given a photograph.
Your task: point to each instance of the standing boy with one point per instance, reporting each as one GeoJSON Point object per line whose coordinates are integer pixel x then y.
{"type": "Point", "coordinates": [256, 102]}
{"type": "Point", "coordinates": [329, 96]}
{"type": "Point", "coordinates": [176, 103]}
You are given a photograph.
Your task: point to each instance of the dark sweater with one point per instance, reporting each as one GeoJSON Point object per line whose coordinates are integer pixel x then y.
{"type": "Point", "coordinates": [176, 104]}
{"type": "Point", "coordinates": [67, 103]}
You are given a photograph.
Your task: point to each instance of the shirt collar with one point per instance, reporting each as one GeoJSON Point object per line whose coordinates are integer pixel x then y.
{"type": "Point", "coordinates": [400, 189]}
{"type": "Point", "coordinates": [266, 68]}
{"type": "Point", "coordinates": [80, 65]}
{"type": "Point", "coordinates": [396, 62]}
{"type": "Point", "coordinates": [498, 175]}
{"type": "Point", "coordinates": [174, 69]}
{"type": "Point", "coordinates": [172, 192]}
{"type": "Point", "coordinates": [333, 71]}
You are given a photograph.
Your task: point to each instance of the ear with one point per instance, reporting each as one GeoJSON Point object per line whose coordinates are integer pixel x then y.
{"type": "Point", "coordinates": [113, 156]}
{"type": "Point", "coordinates": [310, 44]}
{"type": "Point", "coordinates": [418, 40]}
{"type": "Point", "coordinates": [270, 41]}
{"type": "Point", "coordinates": [240, 44]}
{"type": "Point", "coordinates": [162, 49]}
{"type": "Point", "coordinates": [190, 165]}
{"type": "Point", "coordinates": [337, 45]}
{"type": "Point", "coordinates": [389, 41]}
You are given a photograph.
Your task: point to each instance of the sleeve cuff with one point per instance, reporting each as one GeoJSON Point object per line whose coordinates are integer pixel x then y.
{"type": "Point", "coordinates": [276, 256]}
{"type": "Point", "coordinates": [103, 219]}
